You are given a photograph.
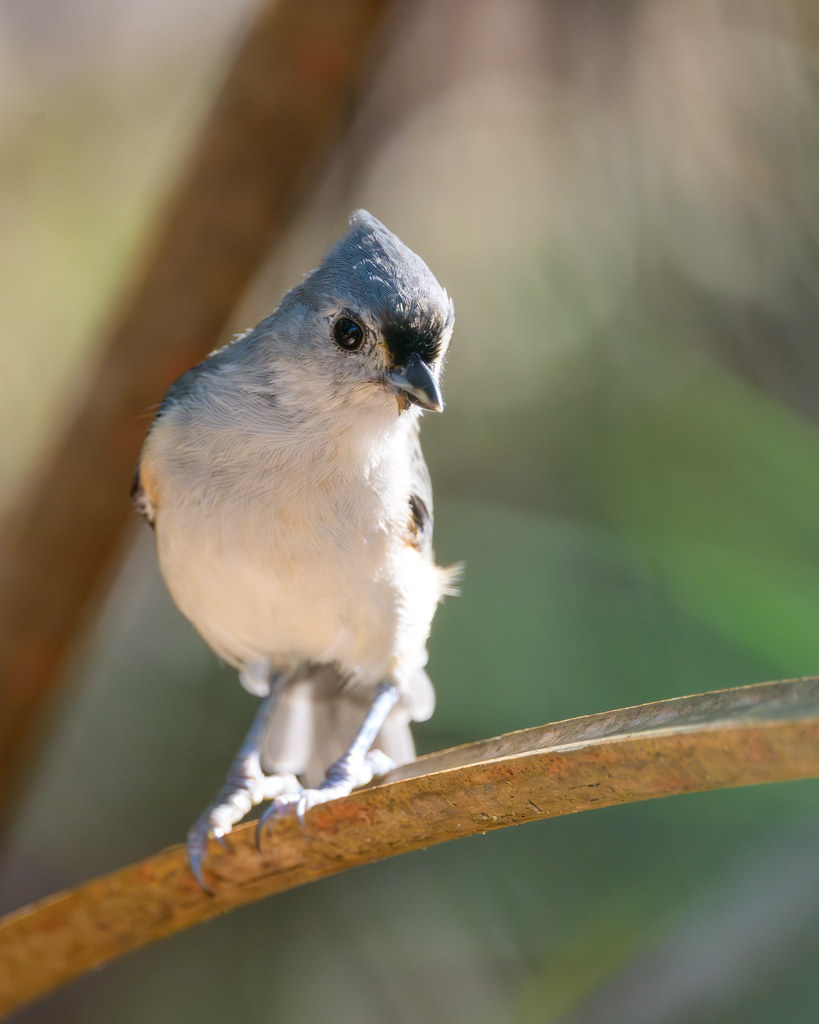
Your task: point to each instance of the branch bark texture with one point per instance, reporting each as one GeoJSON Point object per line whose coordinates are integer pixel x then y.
{"type": "Point", "coordinates": [763, 733]}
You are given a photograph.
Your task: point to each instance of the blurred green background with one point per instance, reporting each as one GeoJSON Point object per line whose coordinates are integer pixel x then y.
{"type": "Point", "coordinates": [622, 200]}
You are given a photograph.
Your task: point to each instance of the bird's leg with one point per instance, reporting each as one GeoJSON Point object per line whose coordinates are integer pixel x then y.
{"type": "Point", "coordinates": [357, 767]}
{"type": "Point", "coordinates": [246, 786]}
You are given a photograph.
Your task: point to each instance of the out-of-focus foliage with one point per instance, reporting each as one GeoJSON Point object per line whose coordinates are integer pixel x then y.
{"type": "Point", "coordinates": [622, 201]}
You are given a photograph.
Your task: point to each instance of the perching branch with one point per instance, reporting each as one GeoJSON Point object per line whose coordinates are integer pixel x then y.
{"type": "Point", "coordinates": [763, 733]}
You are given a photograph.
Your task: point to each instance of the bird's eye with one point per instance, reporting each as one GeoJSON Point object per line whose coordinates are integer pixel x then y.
{"type": "Point", "coordinates": [348, 334]}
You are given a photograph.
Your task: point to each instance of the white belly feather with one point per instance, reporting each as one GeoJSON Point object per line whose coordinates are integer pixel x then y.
{"type": "Point", "coordinates": [319, 569]}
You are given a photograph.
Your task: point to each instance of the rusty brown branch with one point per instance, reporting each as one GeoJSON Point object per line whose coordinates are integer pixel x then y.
{"type": "Point", "coordinates": [285, 103]}
{"type": "Point", "coordinates": [763, 733]}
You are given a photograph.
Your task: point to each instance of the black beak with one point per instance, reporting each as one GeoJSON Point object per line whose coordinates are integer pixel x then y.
{"type": "Point", "coordinates": [419, 385]}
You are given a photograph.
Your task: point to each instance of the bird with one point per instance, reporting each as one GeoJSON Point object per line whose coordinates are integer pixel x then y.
{"type": "Point", "coordinates": [292, 511]}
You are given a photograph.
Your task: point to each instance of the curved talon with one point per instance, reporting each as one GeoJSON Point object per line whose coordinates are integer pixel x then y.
{"type": "Point", "coordinates": [265, 822]}
{"type": "Point", "coordinates": [278, 808]}
{"type": "Point", "coordinates": [260, 827]}
{"type": "Point", "coordinates": [196, 870]}
{"type": "Point", "coordinates": [195, 857]}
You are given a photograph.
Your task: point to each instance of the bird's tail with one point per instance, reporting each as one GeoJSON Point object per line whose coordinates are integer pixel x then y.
{"type": "Point", "coordinates": [318, 714]}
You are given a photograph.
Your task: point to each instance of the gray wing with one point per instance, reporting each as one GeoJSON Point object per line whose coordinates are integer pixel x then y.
{"type": "Point", "coordinates": [194, 382]}
{"type": "Point", "coordinates": [420, 502]}
{"type": "Point", "coordinates": [183, 386]}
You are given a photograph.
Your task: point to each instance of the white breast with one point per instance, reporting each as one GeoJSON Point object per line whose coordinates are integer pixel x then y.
{"type": "Point", "coordinates": [296, 552]}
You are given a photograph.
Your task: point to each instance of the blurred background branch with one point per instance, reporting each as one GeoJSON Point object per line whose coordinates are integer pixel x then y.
{"type": "Point", "coordinates": [284, 104]}
{"type": "Point", "coordinates": [754, 734]}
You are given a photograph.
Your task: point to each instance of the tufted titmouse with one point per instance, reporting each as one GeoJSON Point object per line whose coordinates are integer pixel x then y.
{"type": "Point", "coordinates": [292, 508]}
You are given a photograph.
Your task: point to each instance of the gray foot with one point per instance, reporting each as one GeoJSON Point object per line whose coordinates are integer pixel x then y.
{"type": "Point", "coordinates": [246, 786]}
{"type": "Point", "coordinates": [357, 767]}
{"type": "Point", "coordinates": [348, 773]}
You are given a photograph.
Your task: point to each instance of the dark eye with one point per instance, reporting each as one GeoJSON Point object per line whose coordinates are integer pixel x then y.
{"type": "Point", "coordinates": [348, 334]}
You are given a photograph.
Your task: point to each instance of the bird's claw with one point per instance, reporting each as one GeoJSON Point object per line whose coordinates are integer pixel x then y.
{"type": "Point", "coordinates": [283, 805]}
{"type": "Point", "coordinates": [245, 787]}
{"type": "Point", "coordinates": [342, 778]}
{"type": "Point", "coordinates": [196, 848]}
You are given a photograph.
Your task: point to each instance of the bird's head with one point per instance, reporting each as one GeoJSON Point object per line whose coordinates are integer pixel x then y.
{"type": "Point", "coordinates": [373, 321]}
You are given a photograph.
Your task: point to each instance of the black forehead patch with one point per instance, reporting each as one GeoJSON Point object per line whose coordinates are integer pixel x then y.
{"type": "Point", "coordinates": [371, 270]}
{"type": "Point", "coordinates": [406, 339]}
